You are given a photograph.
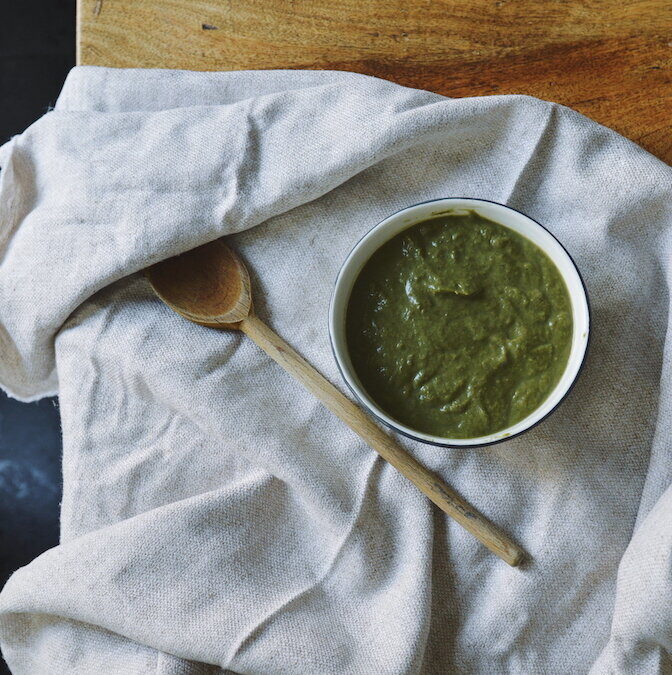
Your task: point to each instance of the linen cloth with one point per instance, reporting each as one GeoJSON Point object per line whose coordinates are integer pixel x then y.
{"type": "Point", "coordinates": [214, 515]}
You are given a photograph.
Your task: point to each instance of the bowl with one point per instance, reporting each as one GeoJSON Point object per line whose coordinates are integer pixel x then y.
{"type": "Point", "coordinates": [506, 216]}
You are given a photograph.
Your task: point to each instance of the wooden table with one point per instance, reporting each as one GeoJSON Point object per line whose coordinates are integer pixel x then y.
{"type": "Point", "coordinates": [609, 59]}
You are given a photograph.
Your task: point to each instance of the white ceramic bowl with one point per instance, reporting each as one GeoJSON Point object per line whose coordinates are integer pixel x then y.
{"type": "Point", "coordinates": [499, 213]}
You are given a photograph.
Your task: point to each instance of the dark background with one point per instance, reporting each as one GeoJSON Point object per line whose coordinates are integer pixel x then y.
{"type": "Point", "coordinates": [37, 49]}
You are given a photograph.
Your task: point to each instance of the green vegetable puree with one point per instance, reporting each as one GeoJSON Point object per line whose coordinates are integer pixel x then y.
{"type": "Point", "coordinates": [459, 327]}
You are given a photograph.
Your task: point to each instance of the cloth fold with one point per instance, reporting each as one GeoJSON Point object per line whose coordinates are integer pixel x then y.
{"type": "Point", "coordinates": [214, 516]}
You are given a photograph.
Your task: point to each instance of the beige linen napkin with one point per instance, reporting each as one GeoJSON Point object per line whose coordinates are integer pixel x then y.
{"type": "Point", "coordinates": [213, 512]}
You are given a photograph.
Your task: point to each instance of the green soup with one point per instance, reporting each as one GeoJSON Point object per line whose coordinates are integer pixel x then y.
{"type": "Point", "coordinates": [459, 327]}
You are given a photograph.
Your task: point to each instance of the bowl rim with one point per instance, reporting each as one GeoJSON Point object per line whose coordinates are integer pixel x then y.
{"type": "Point", "coordinates": [429, 439]}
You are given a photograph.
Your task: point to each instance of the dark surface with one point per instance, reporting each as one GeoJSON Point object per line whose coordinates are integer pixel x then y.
{"type": "Point", "coordinates": [30, 480]}
{"type": "Point", "coordinates": [37, 48]}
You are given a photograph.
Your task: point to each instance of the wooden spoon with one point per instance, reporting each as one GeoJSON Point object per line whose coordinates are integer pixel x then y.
{"type": "Point", "coordinates": [210, 286]}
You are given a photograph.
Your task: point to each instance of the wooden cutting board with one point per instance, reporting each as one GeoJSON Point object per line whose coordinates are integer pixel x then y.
{"type": "Point", "coordinates": [609, 59]}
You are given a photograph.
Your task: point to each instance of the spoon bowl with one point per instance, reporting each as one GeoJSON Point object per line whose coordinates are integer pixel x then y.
{"type": "Point", "coordinates": [208, 285]}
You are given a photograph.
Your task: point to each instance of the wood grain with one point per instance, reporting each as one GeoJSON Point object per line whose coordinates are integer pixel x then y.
{"type": "Point", "coordinates": [609, 59]}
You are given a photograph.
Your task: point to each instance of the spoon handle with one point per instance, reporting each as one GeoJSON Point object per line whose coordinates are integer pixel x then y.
{"type": "Point", "coordinates": [426, 481]}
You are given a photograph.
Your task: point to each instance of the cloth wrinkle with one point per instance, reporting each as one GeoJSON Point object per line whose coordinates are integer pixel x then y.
{"type": "Point", "coordinates": [320, 579]}
{"type": "Point", "coordinates": [540, 134]}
